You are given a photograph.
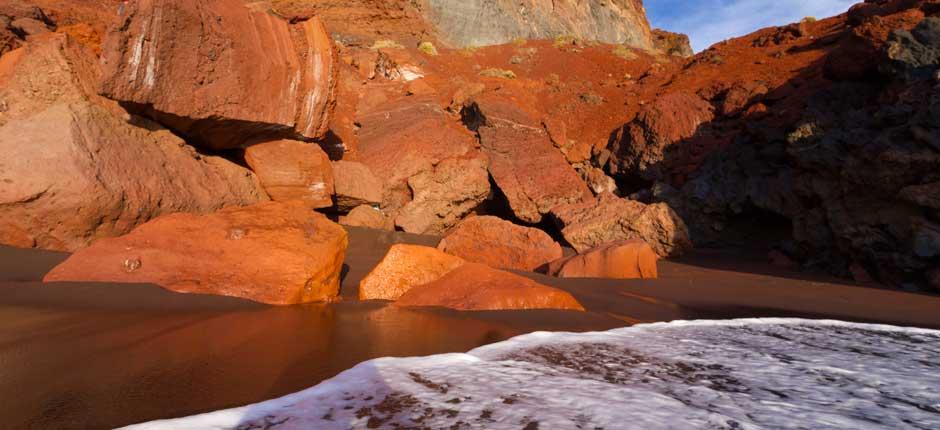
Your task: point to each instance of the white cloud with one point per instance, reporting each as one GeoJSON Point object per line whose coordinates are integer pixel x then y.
{"type": "Point", "coordinates": [711, 21]}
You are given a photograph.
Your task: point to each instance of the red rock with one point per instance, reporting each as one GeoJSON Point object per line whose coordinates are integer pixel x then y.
{"type": "Point", "coordinates": [444, 195]}
{"type": "Point", "coordinates": [639, 147]}
{"type": "Point", "coordinates": [273, 252]}
{"type": "Point", "coordinates": [609, 218]}
{"type": "Point", "coordinates": [477, 287]}
{"type": "Point", "coordinates": [530, 171]}
{"type": "Point", "coordinates": [500, 244]}
{"type": "Point", "coordinates": [403, 268]}
{"type": "Point", "coordinates": [190, 64]}
{"type": "Point", "coordinates": [368, 217]}
{"type": "Point", "coordinates": [355, 185]}
{"type": "Point", "coordinates": [628, 259]}
{"type": "Point", "coordinates": [292, 170]}
{"type": "Point", "coordinates": [402, 138]}
{"type": "Point", "coordinates": [98, 174]}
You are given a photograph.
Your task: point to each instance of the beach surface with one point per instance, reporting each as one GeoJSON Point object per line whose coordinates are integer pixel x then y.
{"type": "Point", "coordinates": [84, 355]}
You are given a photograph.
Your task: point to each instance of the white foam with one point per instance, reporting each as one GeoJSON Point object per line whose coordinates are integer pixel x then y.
{"type": "Point", "coordinates": [741, 374]}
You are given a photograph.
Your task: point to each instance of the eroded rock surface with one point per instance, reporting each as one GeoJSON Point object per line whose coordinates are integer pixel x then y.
{"type": "Point", "coordinates": [292, 170]}
{"type": "Point", "coordinates": [500, 244]}
{"type": "Point", "coordinates": [189, 65]}
{"type": "Point", "coordinates": [355, 185]}
{"type": "Point", "coordinates": [76, 169]}
{"type": "Point", "coordinates": [609, 218]}
{"type": "Point", "coordinates": [533, 175]}
{"type": "Point", "coordinates": [273, 252]}
{"type": "Point", "coordinates": [445, 194]}
{"type": "Point", "coordinates": [494, 22]}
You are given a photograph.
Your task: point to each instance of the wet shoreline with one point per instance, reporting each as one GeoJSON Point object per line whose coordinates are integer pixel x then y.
{"type": "Point", "coordinates": [104, 355]}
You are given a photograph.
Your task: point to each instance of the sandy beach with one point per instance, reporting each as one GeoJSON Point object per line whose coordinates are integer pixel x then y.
{"type": "Point", "coordinates": [82, 355]}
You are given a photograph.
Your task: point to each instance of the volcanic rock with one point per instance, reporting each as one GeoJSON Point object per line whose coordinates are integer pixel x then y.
{"type": "Point", "coordinates": [628, 259]}
{"type": "Point", "coordinates": [477, 287]}
{"type": "Point", "coordinates": [670, 43]}
{"type": "Point", "coordinates": [500, 244]}
{"type": "Point", "coordinates": [402, 138]}
{"type": "Point", "coordinates": [444, 195]}
{"type": "Point", "coordinates": [608, 218]}
{"type": "Point", "coordinates": [532, 174]}
{"type": "Point", "coordinates": [355, 185]}
{"type": "Point", "coordinates": [275, 253]}
{"type": "Point", "coordinates": [639, 148]}
{"type": "Point", "coordinates": [463, 23]}
{"type": "Point", "coordinates": [368, 217]}
{"type": "Point", "coordinates": [97, 174]}
{"type": "Point", "coordinates": [292, 170]}
{"type": "Point", "coordinates": [189, 65]}
{"type": "Point", "coordinates": [403, 268]}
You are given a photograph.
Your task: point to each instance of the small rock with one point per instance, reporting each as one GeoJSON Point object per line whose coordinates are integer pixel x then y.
{"type": "Point", "coordinates": [628, 259]}
{"type": "Point", "coordinates": [500, 244]}
{"type": "Point", "coordinates": [403, 268]}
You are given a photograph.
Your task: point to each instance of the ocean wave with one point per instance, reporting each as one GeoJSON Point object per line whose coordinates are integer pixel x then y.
{"type": "Point", "coordinates": [738, 374]}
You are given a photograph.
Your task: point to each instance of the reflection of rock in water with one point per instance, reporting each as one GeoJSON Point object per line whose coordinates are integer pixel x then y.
{"type": "Point", "coordinates": [725, 375]}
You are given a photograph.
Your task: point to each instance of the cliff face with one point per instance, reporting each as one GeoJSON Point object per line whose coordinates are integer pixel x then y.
{"type": "Point", "coordinates": [463, 23]}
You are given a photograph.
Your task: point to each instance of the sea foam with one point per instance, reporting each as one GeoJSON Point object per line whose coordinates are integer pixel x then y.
{"type": "Point", "coordinates": [740, 374]}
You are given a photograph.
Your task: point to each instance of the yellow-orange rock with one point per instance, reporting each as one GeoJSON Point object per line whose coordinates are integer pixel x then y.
{"type": "Point", "coordinates": [293, 170]}
{"type": "Point", "coordinates": [628, 259]}
{"type": "Point", "coordinates": [500, 244]}
{"type": "Point", "coordinates": [477, 287]}
{"type": "Point", "coordinates": [403, 268]}
{"type": "Point", "coordinates": [367, 217]}
{"type": "Point", "coordinates": [355, 185]}
{"type": "Point", "coordinates": [273, 252]}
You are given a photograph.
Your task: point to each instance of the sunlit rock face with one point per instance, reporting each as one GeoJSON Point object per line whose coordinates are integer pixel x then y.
{"type": "Point", "coordinates": [487, 22]}
{"type": "Point", "coordinates": [220, 72]}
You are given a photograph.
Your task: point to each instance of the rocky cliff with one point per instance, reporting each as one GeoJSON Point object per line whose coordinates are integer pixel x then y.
{"type": "Point", "coordinates": [464, 23]}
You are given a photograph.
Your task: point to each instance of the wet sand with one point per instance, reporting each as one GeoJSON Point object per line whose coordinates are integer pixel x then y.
{"type": "Point", "coordinates": [103, 355]}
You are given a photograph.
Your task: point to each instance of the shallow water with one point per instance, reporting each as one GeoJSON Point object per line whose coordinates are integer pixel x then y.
{"type": "Point", "coordinates": [742, 374]}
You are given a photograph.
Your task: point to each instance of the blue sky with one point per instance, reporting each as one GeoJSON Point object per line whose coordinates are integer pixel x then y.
{"type": "Point", "coordinates": [711, 21]}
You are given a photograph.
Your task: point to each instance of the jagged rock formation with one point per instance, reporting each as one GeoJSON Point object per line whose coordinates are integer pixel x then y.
{"type": "Point", "coordinates": [76, 170]}
{"type": "Point", "coordinates": [463, 23]}
{"type": "Point", "coordinates": [823, 129]}
{"type": "Point", "coordinates": [670, 43]}
{"type": "Point", "coordinates": [188, 64]}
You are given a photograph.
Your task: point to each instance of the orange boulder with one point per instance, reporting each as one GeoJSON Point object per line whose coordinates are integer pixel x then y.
{"type": "Point", "coordinates": [368, 217]}
{"type": "Point", "coordinates": [628, 259]}
{"type": "Point", "coordinates": [403, 268]}
{"type": "Point", "coordinates": [275, 253]}
{"type": "Point", "coordinates": [477, 287]}
{"type": "Point", "coordinates": [293, 170]}
{"type": "Point", "coordinates": [355, 185]}
{"type": "Point", "coordinates": [500, 244]}
{"type": "Point", "coordinates": [609, 218]}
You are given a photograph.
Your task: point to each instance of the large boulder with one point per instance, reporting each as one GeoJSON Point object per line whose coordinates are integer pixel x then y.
{"type": "Point", "coordinates": [76, 169]}
{"type": "Point", "coordinates": [275, 253]}
{"type": "Point", "coordinates": [464, 23]}
{"type": "Point", "coordinates": [608, 218]}
{"type": "Point", "coordinates": [500, 244]}
{"type": "Point", "coordinates": [628, 259]}
{"type": "Point", "coordinates": [639, 148]}
{"type": "Point", "coordinates": [674, 44]}
{"type": "Point", "coordinates": [477, 287]}
{"type": "Point", "coordinates": [443, 195]}
{"type": "Point", "coordinates": [533, 175]}
{"type": "Point", "coordinates": [403, 268]}
{"type": "Point", "coordinates": [293, 170]}
{"type": "Point", "coordinates": [221, 72]}
{"type": "Point", "coordinates": [355, 185]}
